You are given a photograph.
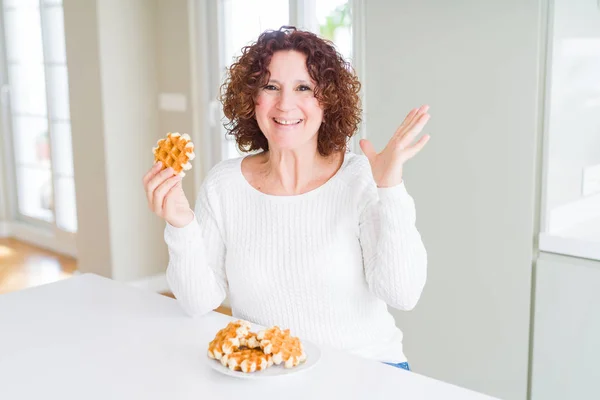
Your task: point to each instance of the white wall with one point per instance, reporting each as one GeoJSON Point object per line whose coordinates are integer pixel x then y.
{"type": "Point", "coordinates": [477, 64]}
{"type": "Point", "coordinates": [88, 133]}
{"type": "Point", "coordinates": [173, 66]}
{"type": "Point", "coordinates": [121, 55]}
{"type": "Point", "coordinates": [574, 124]}
{"type": "Point", "coordinates": [566, 344]}
{"type": "Point", "coordinates": [129, 93]}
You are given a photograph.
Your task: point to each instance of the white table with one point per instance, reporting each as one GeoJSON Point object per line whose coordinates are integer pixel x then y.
{"type": "Point", "coordinates": [89, 337]}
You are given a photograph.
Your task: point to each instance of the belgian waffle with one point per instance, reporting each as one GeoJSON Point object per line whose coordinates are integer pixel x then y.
{"type": "Point", "coordinates": [247, 360]}
{"type": "Point", "coordinates": [175, 151]}
{"type": "Point", "coordinates": [241, 350]}
{"type": "Point", "coordinates": [227, 339]}
{"type": "Point", "coordinates": [284, 347]}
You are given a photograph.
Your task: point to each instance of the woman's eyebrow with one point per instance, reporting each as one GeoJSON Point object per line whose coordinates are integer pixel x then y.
{"type": "Point", "coordinates": [297, 81]}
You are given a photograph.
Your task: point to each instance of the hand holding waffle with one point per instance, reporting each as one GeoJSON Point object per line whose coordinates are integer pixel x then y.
{"type": "Point", "coordinates": [162, 183]}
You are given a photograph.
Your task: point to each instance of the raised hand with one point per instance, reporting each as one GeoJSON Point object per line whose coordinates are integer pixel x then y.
{"type": "Point", "coordinates": [387, 165]}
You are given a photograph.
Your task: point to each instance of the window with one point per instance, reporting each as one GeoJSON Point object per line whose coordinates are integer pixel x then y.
{"type": "Point", "coordinates": [571, 186]}
{"type": "Point", "coordinates": [241, 21]}
{"type": "Point", "coordinates": [36, 104]}
{"type": "Point", "coordinates": [334, 22]}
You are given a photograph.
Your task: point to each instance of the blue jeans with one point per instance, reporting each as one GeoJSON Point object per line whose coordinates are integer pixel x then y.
{"type": "Point", "coordinates": [403, 365]}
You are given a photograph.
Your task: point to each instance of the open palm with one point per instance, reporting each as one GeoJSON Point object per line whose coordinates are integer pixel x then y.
{"type": "Point", "coordinates": [387, 165]}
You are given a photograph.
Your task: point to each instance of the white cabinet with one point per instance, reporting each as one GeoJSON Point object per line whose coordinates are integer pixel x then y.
{"type": "Point", "coordinates": [566, 339]}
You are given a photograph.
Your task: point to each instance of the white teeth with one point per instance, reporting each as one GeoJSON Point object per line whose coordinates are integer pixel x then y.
{"type": "Point", "coordinates": [287, 122]}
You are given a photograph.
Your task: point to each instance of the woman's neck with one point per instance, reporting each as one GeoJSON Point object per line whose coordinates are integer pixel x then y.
{"type": "Point", "coordinates": [297, 171]}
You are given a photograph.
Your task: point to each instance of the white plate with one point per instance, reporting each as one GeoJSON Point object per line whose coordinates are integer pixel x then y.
{"type": "Point", "coordinates": [313, 354]}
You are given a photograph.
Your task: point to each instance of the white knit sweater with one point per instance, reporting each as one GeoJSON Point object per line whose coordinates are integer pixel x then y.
{"type": "Point", "coordinates": [323, 263]}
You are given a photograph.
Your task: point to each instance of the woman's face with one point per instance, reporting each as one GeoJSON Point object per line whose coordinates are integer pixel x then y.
{"type": "Point", "coordinates": [287, 111]}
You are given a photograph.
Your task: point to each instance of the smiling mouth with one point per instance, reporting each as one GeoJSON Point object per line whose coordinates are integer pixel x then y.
{"type": "Point", "coordinates": [287, 122]}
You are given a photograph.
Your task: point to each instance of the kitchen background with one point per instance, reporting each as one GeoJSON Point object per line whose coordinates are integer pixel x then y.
{"type": "Point", "coordinates": [507, 191]}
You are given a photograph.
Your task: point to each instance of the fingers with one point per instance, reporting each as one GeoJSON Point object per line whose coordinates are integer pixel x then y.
{"type": "Point", "coordinates": [417, 147]}
{"type": "Point", "coordinates": [417, 126]}
{"type": "Point", "coordinates": [413, 130]}
{"type": "Point", "coordinates": [418, 116]}
{"type": "Point", "coordinates": [159, 195]}
{"type": "Point", "coordinates": [156, 181]}
{"type": "Point", "coordinates": [153, 171]}
{"type": "Point", "coordinates": [172, 189]}
{"type": "Point", "coordinates": [411, 115]}
{"type": "Point", "coordinates": [410, 119]}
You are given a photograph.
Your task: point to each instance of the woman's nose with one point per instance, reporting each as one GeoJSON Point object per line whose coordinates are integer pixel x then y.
{"type": "Point", "coordinates": [286, 101]}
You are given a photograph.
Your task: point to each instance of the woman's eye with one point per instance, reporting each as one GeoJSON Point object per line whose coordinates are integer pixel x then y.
{"type": "Point", "coordinates": [303, 88]}
{"type": "Point", "coordinates": [270, 87]}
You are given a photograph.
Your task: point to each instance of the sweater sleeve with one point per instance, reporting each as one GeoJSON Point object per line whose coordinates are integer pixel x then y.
{"type": "Point", "coordinates": [196, 269]}
{"type": "Point", "coordinates": [395, 259]}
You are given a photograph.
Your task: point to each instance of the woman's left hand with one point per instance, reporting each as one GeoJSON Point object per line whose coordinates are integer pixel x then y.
{"type": "Point", "coordinates": [387, 165]}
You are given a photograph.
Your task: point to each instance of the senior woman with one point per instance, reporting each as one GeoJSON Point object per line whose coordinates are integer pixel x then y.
{"type": "Point", "coordinates": [300, 233]}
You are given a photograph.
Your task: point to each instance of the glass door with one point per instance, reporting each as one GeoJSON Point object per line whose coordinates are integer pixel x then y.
{"type": "Point", "coordinates": [36, 109]}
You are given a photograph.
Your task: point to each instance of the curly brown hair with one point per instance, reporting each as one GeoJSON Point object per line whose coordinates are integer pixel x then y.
{"type": "Point", "coordinates": [337, 89]}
